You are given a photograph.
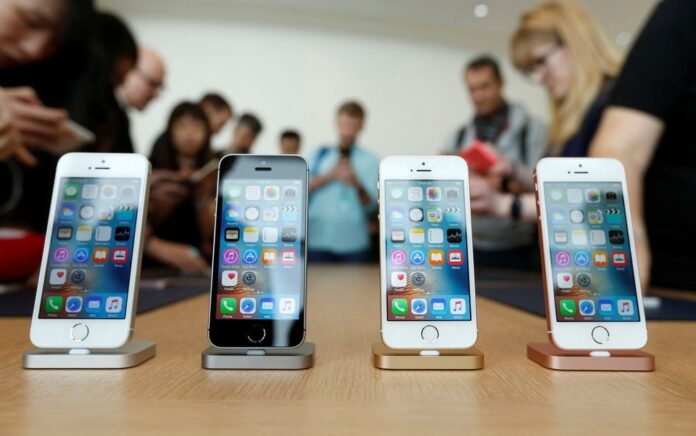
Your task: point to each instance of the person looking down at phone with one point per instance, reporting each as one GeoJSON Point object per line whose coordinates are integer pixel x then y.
{"type": "Point", "coordinates": [650, 126]}
{"type": "Point", "coordinates": [179, 206]}
{"type": "Point", "coordinates": [221, 116]}
{"type": "Point", "coordinates": [502, 143]}
{"type": "Point", "coordinates": [141, 86]}
{"type": "Point", "coordinates": [42, 44]}
{"type": "Point", "coordinates": [115, 56]}
{"type": "Point", "coordinates": [343, 192]}
{"type": "Point", "coordinates": [217, 109]}
{"type": "Point", "coordinates": [32, 31]}
{"type": "Point", "coordinates": [559, 46]}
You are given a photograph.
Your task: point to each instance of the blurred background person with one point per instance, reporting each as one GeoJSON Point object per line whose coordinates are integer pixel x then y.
{"type": "Point", "coordinates": [220, 112]}
{"type": "Point", "coordinates": [518, 140]}
{"type": "Point", "coordinates": [141, 86]}
{"type": "Point", "coordinates": [560, 46]}
{"type": "Point", "coordinates": [650, 126]}
{"type": "Point", "coordinates": [43, 52]}
{"type": "Point", "coordinates": [177, 208]}
{"type": "Point", "coordinates": [115, 55]}
{"type": "Point", "coordinates": [343, 193]}
{"type": "Point", "coordinates": [290, 142]}
{"type": "Point", "coordinates": [217, 109]}
{"type": "Point", "coordinates": [245, 133]}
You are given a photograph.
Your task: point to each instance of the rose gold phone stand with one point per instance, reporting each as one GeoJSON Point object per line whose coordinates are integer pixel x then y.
{"type": "Point", "coordinates": [301, 357]}
{"type": "Point", "coordinates": [384, 357]}
{"type": "Point", "coordinates": [549, 356]}
{"type": "Point", "coordinates": [132, 354]}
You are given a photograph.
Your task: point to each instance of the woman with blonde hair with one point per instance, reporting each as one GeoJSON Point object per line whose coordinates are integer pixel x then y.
{"type": "Point", "coordinates": [559, 46]}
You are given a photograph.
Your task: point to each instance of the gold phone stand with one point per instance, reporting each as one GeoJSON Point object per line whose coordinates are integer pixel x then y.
{"type": "Point", "coordinates": [384, 357]}
{"type": "Point", "coordinates": [132, 354]}
{"type": "Point", "coordinates": [549, 356]}
{"type": "Point", "coordinates": [301, 357]}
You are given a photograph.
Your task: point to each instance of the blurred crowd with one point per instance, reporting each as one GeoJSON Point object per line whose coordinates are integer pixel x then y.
{"type": "Point", "coordinates": [70, 76]}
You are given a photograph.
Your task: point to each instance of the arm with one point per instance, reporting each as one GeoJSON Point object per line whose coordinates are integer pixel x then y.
{"type": "Point", "coordinates": [486, 200]}
{"type": "Point", "coordinates": [631, 137]}
{"type": "Point", "coordinates": [319, 181]}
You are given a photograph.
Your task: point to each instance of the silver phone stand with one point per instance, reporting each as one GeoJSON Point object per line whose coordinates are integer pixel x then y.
{"type": "Point", "coordinates": [132, 354]}
{"type": "Point", "coordinates": [301, 357]}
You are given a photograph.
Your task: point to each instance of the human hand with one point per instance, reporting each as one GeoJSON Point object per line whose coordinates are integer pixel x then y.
{"type": "Point", "coordinates": [343, 172]}
{"type": "Point", "coordinates": [38, 125]}
{"type": "Point", "coordinates": [10, 136]}
{"type": "Point", "coordinates": [484, 198]}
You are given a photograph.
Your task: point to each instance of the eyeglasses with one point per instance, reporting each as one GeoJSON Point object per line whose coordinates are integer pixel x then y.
{"type": "Point", "coordinates": [156, 84]}
{"type": "Point", "coordinates": [534, 70]}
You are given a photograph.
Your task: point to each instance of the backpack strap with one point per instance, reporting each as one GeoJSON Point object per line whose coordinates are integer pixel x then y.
{"type": "Point", "coordinates": [461, 134]}
{"type": "Point", "coordinates": [321, 154]}
{"type": "Point", "coordinates": [524, 153]}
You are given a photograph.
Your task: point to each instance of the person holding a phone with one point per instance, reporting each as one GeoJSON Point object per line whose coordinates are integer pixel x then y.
{"type": "Point", "coordinates": [32, 33]}
{"type": "Point", "coordinates": [180, 208]}
{"type": "Point", "coordinates": [141, 86]}
{"type": "Point", "coordinates": [501, 143]}
{"type": "Point", "coordinates": [559, 46]}
{"type": "Point", "coordinates": [39, 40]}
{"type": "Point", "coordinates": [343, 193]}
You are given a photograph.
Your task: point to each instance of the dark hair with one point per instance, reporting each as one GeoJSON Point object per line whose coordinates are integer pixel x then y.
{"type": "Point", "coordinates": [77, 22]}
{"type": "Point", "coordinates": [485, 61]}
{"type": "Point", "coordinates": [290, 134]}
{"type": "Point", "coordinates": [216, 100]}
{"type": "Point", "coordinates": [164, 153]}
{"type": "Point", "coordinates": [352, 108]}
{"type": "Point", "coordinates": [111, 43]}
{"type": "Point", "coordinates": [251, 122]}
{"type": "Point", "coordinates": [114, 41]}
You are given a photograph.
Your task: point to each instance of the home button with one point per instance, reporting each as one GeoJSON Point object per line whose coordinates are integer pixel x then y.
{"type": "Point", "coordinates": [256, 334]}
{"type": "Point", "coordinates": [600, 335]}
{"type": "Point", "coordinates": [79, 332]}
{"type": "Point", "coordinates": [430, 334]}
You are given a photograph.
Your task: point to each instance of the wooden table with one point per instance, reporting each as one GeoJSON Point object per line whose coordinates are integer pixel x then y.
{"type": "Point", "coordinates": [343, 393]}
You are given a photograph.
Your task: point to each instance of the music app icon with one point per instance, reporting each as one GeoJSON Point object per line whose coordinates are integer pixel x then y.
{"type": "Point", "coordinates": [398, 257]}
{"type": "Point", "coordinates": [286, 306]}
{"type": "Point", "coordinates": [457, 306]}
{"type": "Point", "coordinates": [625, 307]}
{"type": "Point", "coordinates": [113, 304]}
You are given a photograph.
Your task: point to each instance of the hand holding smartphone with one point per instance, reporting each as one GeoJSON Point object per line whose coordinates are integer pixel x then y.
{"type": "Point", "coordinates": [592, 287]}
{"type": "Point", "coordinates": [427, 272]}
{"type": "Point", "coordinates": [479, 157]}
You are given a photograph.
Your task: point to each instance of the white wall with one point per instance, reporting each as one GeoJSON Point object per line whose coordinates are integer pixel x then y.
{"type": "Point", "coordinates": [296, 78]}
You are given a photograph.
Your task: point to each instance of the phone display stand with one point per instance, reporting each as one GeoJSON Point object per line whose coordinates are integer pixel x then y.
{"type": "Point", "coordinates": [132, 354]}
{"type": "Point", "coordinates": [384, 357]}
{"type": "Point", "coordinates": [301, 357]}
{"type": "Point", "coordinates": [549, 356]}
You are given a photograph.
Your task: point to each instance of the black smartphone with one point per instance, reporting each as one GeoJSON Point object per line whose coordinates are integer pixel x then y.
{"type": "Point", "coordinates": [258, 286]}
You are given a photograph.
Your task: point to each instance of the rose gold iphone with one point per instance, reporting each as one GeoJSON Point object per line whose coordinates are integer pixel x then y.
{"type": "Point", "coordinates": [592, 288]}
